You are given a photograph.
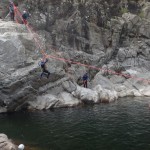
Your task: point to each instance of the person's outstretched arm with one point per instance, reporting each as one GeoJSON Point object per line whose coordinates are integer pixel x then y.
{"type": "Point", "coordinates": [46, 60]}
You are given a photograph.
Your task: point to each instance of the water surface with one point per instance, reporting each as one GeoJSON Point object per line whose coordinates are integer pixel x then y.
{"type": "Point", "coordinates": [123, 125]}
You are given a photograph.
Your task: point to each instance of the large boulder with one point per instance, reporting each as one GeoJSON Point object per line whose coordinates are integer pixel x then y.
{"type": "Point", "coordinates": [104, 82]}
{"type": "Point", "coordinates": [86, 95]}
{"type": "Point", "coordinates": [69, 86]}
{"type": "Point", "coordinates": [43, 102]}
{"type": "Point", "coordinates": [142, 84]}
{"type": "Point", "coordinates": [6, 144]}
{"type": "Point", "coordinates": [137, 85]}
{"type": "Point", "coordinates": [131, 20]}
{"type": "Point", "coordinates": [96, 95]}
{"type": "Point", "coordinates": [105, 95]}
{"type": "Point", "coordinates": [3, 110]}
{"type": "Point", "coordinates": [67, 100]}
{"type": "Point", "coordinates": [146, 91]}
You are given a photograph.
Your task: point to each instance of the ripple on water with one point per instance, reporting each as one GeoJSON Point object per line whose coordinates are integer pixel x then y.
{"type": "Point", "coordinates": [123, 125]}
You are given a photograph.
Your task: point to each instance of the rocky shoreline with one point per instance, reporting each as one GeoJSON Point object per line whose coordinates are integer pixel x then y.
{"type": "Point", "coordinates": [122, 46]}
{"type": "Point", "coordinates": [5, 143]}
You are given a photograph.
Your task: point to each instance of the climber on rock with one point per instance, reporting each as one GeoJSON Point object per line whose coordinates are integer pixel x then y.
{"type": "Point", "coordinates": [11, 11]}
{"type": "Point", "coordinates": [25, 16]}
{"type": "Point", "coordinates": [85, 78]}
{"type": "Point", "coordinates": [43, 66]}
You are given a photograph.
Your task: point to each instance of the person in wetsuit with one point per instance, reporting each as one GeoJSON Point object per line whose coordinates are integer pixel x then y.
{"type": "Point", "coordinates": [25, 16]}
{"type": "Point", "coordinates": [44, 70]}
{"type": "Point", "coordinates": [11, 11]}
{"type": "Point", "coordinates": [85, 78]}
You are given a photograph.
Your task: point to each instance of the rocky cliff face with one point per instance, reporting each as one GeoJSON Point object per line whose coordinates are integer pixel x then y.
{"type": "Point", "coordinates": [113, 35]}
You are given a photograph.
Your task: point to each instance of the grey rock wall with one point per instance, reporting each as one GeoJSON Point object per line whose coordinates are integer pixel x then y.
{"type": "Point", "coordinates": [102, 34]}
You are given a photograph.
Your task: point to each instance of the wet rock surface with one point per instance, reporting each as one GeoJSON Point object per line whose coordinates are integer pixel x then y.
{"type": "Point", "coordinates": [95, 33]}
{"type": "Point", "coordinates": [5, 143]}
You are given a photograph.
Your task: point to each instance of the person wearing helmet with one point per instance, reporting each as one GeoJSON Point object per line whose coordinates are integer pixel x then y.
{"type": "Point", "coordinates": [25, 16]}
{"type": "Point", "coordinates": [43, 66]}
{"type": "Point", "coordinates": [85, 78]}
{"type": "Point", "coordinates": [11, 11]}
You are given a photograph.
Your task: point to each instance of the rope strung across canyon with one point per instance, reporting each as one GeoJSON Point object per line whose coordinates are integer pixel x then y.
{"type": "Point", "coordinates": [36, 39]}
{"type": "Point", "coordinates": [45, 55]}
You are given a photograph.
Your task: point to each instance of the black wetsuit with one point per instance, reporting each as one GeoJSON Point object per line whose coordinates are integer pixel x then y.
{"type": "Point", "coordinates": [25, 16]}
{"type": "Point", "coordinates": [85, 78]}
{"type": "Point", "coordinates": [44, 70]}
{"type": "Point", "coordinates": [12, 13]}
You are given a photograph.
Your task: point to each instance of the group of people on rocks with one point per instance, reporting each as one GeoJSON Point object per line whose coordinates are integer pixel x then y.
{"type": "Point", "coordinates": [25, 15]}
{"type": "Point", "coordinates": [13, 10]}
{"type": "Point", "coordinates": [45, 72]}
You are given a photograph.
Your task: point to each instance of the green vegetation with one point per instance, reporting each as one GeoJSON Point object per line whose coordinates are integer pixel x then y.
{"type": "Point", "coordinates": [124, 10]}
{"type": "Point", "coordinates": [141, 14]}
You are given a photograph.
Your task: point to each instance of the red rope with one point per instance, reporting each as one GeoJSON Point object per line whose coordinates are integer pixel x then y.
{"type": "Point", "coordinates": [29, 29]}
{"type": "Point", "coordinates": [97, 68]}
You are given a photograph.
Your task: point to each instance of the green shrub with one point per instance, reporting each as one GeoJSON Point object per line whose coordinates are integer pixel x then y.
{"type": "Point", "coordinates": [124, 10]}
{"type": "Point", "coordinates": [141, 14]}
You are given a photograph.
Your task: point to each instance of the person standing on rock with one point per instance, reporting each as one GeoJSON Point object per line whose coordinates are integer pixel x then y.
{"type": "Point", "coordinates": [43, 66]}
{"type": "Point", "coordinates": [85, 78]}
{"type": "Point", "coordinates": [11, 11]}
{"type": "Point", "coordinates": [25, 16]}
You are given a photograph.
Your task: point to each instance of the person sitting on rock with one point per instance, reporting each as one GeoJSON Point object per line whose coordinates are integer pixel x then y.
{"type": "Point", "coordinates": [43, 66]}
{"type": "Point", "coordinates": [11, 11]}
{"type": "Point", "coordinates": [25, 16]}
{"type": "Point", "coordinates": [85, 78]}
